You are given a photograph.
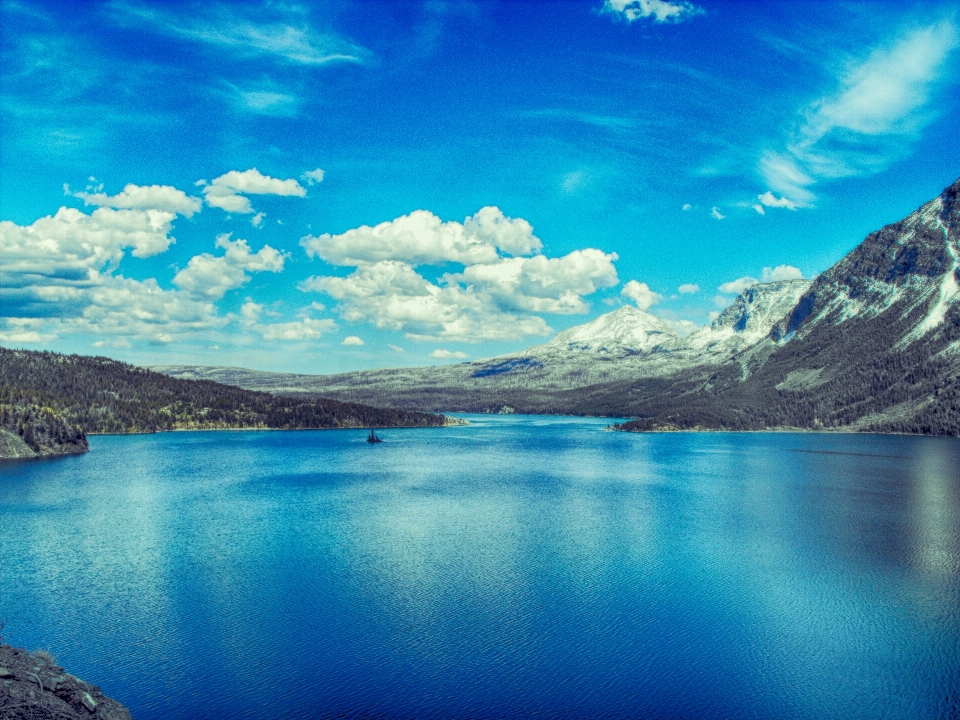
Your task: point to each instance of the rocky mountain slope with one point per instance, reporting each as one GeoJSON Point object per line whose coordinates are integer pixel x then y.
{"type": "Point", "coordinates": [873, 343]}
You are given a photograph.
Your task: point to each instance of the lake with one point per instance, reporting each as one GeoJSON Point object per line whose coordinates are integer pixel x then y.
{"type": "Point", "coordinates": [519, 566]}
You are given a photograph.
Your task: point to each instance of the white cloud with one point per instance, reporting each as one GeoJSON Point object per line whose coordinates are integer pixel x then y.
{"type": "Point", "coordinates": [228, 191]}
{"type": "Point", "coordinates": [770, 200]}
{"type": "Point", "coordinates": [688, 289]}
{"type": "Point", "coordinates": [735, 287]}
{"type": "Point", "coordinates": [686, 206]}
{"type": "Point", "coordinates": [448, 354]}
{"type": "Point", "coordinates": [494, 295]}
{"type": "Point", "coordinates": [281, 35]}
{"type": "Point", "coordinates": [257, 220]}
{"type": "Point", "coordinates": [140, 197]}
{"type": "Point", "coordinates": [717, 214]}
{"type": "Point", "coordinates": [641, 294]}
{"type": "Point", "coordinates": [880, 104]}
{"type": "Point", "coordinates": [659, 11]}
{"type": "Point", "coordinates": [421, 238]}
{"type": "Point", "coordinates": [312, 177]}
{"type": "Point", "coordinates": [781, 272]}
{"type": "Point", "coordinates": [542, 284]}
{"type": "Point", "coordinates": [24, 330]}
{"type": "Point", "coordinates": [306, 328]}
{"type": "Point", "coordinates": [769, 274]}
{"type": "Point", "coordinates": [682, 327]}
{"type": "Point", "coordinates": [118, 342]}
{"type": "Point", "coordinates": [392, 295]}
{"type": "Point", "coordinates": [352, 340]}
{"type": "Point", "coordinates": [759, 209]}
{"type": "Point", "coordinates": [396, 348]}
{"type": "Point", "coordinates": [297, 330]}
{"type": "Point", "coordinates": [212, 277]}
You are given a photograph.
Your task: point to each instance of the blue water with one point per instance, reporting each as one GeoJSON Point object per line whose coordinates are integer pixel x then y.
{"type": "Point", "coordinates": [520, 566]}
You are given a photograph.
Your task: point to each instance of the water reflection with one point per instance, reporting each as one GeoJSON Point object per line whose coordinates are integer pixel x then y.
{"type": "Point", "coordinates": [518, 566]}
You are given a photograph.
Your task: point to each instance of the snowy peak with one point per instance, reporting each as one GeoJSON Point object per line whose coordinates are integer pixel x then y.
{"type": "Point", "coordinates": [627, 331]}
{"type": "Point", "coordinates": [911, 263]}
{"type": "Point", "coordinates": [750, 317]}
{"type": "Point", "coordinates": [758, 308]}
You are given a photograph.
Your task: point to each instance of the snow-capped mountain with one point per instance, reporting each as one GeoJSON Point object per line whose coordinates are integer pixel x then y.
{"type": "Point", "coordinates": [873, 342]}
{"type": "Point", "coordinates": [627, 331]}
{"type": "Point", "coordinates": [749, 319]}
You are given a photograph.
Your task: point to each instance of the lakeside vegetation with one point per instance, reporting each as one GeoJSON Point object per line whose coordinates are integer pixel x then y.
{"type": "Point", "coordinates": [47, 394]}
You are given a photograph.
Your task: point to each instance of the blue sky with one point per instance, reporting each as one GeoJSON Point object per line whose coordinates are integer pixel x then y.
{"type": "Point", "coordinates": [346, 185]}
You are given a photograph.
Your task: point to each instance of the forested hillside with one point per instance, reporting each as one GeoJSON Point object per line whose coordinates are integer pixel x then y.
{"type": "Point", "coordinates": [101, 395]}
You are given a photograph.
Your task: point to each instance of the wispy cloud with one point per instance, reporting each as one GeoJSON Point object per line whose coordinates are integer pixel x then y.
{"type": "Point", "coordinates": [659, 11]}
{"type": "Point", "coordinates": [607, 122]}
{"type": "Point", "coordinates": [225, 27]}
{"type": "Point", "coordinates": [880, 103]}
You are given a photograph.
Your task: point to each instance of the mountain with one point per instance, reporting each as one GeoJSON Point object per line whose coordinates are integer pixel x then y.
{"type": "Point", "coordinates": [627, 331]}
{"type": "Point", "coordinates": [623, 345]}
{"type": "Point", "coordinates": [48, 401]}
{"type": "Point", "coordinates": [872, 344]}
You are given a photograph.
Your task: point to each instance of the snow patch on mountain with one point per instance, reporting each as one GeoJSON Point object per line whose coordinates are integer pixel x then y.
{"type": "Point", "coordinates": [627, 331]}
{"type": "Point", "coordinates": [949, 288]}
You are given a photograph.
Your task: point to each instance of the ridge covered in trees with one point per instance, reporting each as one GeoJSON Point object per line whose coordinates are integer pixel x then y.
{"type": "Point", "coordinates": [47, 396]}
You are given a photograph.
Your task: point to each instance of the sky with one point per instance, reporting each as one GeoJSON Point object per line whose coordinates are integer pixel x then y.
{"type": "Point", "coordinates": [336, 186]}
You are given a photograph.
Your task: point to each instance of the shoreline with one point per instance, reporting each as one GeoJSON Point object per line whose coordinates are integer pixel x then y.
{"type": "Point", "coordinates": [272, 429]}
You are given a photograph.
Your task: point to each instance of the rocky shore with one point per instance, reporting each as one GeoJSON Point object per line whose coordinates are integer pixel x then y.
{"type": "Point", "coordinates": [34, 687]}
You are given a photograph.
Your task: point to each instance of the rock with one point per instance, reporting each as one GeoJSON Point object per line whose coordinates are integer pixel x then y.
{"type": "Point", "coordinates": [88, 702]}
{"type": "Point", "coordinates": [53, 683]}
{"type": "Point", "coordinates": [4, 673]}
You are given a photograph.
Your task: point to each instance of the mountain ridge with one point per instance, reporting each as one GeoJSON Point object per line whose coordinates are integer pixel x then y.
{"type": "Point", "coordinates": [872, 343]}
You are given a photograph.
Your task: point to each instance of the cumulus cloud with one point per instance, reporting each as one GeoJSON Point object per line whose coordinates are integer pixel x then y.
{"type": "Point", "coordinates": [143, 197]}
{"type": "Point", "coordinates": [735, 287]}
{"type": "Point", "coordinates": [304, 329]}
{"type": "Point", "coordinates": [688, 289]}
{"type": "Point", "coordinates": [297, 330]}
{"type": "Point", "coordinates": [421, 238]}
{"type": "Point", "coordinates": [212, 277]}
{"type": "Point", "coordinates": [880, 104]}
{"type": "Point", "coordinates": [542, 284]}
{"type": "Point", "coordinates": [503, 281]}
{"type": "Point", "coordinates": [448, 354]}
{"type": "Point", "coordinates": [770, 200]}
{"type": "Point", "coordinates": [312, 177]}
{"type": "Point", "coordinates": [641, 294]}
{"type": "Point", "coordinates": [228, 192]}
{"type": "Point", "coordinates": [392, 295]}
{"type": "Point", "coordinates": [769, 274]}
{"type": "Point", "coordinates": [781, 272]}
{"type": "Point", "coordinates": [658, 11]}
{"type": "Point", "coordinates": [352, 340]}
{"type": "Point", "coordinates": [59, 274]}
{"type": "Point", "coordinates": [717, 214]}
{"type": "Point", "coordinates": [396, 348]}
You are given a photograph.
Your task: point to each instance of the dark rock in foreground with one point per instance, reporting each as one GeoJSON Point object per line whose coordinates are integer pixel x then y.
{"type": "Point", "coordinates": [34, 687]}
